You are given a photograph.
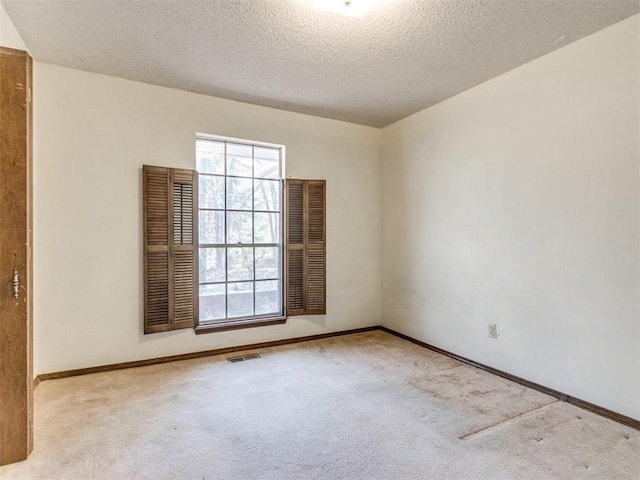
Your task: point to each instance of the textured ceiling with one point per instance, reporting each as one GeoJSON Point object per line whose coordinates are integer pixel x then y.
{"type": "Point", "coordinates": [403, 56]}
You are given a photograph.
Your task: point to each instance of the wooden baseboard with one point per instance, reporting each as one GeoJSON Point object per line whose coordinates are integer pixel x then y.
{"type": "Point", "coordinates": [189, 356]}
{"type": "Point", "coordinates": [604, 412]}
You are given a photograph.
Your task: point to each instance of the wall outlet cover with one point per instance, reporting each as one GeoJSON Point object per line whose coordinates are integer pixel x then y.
{"type": "Point", "coordinates": [493, 330]}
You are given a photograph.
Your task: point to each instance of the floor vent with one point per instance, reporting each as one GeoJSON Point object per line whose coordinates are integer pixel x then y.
{"type": "Point", "coordinates": [242, 358]}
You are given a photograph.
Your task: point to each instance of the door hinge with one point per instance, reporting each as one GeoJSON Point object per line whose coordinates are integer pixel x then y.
{"type": "Point", "coordinates": [16, 284]}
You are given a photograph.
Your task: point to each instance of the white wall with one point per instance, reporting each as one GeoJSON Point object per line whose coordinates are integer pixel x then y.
{"type": "Point", "coordinates": [517, 203]}
{"type": "Point", "coordinates": [92, 135]}
{"type": "Point", "coordinates": [9, 36]}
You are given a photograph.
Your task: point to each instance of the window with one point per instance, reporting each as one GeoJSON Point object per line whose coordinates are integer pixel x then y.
{"type": "Point", "coordinates": [214, 255]}
{"type": "Point", "coordinates": [239, 214]}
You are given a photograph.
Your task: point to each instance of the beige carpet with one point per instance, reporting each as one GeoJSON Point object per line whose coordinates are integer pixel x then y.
{"type": "Point", "coordinates": [367, 406]}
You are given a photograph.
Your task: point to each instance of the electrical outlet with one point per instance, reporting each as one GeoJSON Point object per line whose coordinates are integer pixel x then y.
{"type": "Point", "coordinates": [493, 330]}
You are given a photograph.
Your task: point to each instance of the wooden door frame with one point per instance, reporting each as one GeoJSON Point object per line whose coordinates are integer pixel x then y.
{"type": "Point", "coordinates": [16, 164]}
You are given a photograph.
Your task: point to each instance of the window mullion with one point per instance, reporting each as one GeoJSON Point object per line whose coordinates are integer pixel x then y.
{"type": "Point", "coordinates": [226, 249]}
{"type": "Point", "coordinates": [253, 220]}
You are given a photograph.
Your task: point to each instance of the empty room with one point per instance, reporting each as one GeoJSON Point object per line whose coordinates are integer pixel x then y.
{"type": "Point", "coordinates": [320, 239]}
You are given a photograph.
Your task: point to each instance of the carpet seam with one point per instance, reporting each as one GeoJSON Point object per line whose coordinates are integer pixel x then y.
{"type": "Point", "coordinates": [502, 423]}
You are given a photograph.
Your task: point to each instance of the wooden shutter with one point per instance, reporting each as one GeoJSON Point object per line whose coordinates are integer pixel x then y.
{"type": "Point", "coordinates": [170, 249]}
{"type": "Point", "coordinates": [315, 261]}
{"type": "Point", "coordinates": [294, 296]}
{"type": "Point", "coordinates": [305, 248]}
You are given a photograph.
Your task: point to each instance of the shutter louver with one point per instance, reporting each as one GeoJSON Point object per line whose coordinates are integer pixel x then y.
{"type": "Point", "coordinates": [157, 208]}
{"type": "Point", "coordinates": [306, 252]}
{"type": "Point", "coordinates": [295, 282]}
{"type": "Point", "coordinates": [184, 291]}
{"type": "Point", "coordinates": [157, 286]}
{"type": "Point", "coordinates": [315, 282]}
{"type": "Point", "coordinates": [171, 274]}
{"type": "Point", "coordinates": [315, 209]}
{"type": "Point", "coordinates": [295, 218]}
{"type": "Point", "coordinates": [182, 214]}
{"type": "Point", "coordinates": [294, 297]}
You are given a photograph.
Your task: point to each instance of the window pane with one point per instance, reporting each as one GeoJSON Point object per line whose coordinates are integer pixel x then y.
{"type": "Point", "coordinates": [268, 297]}
{"type": "Point", "coordinates": [239, 160]}
{"type": "Point", "coordinates": [239, 193]}
{"type": "Point", "coordinates": [239, 227]}
{"type": "Point", "coordinates": [240, 263]}
{"type": "Point", "coordinates": [210, 156]}
{"type": "Point", "coordinates": [239, 149]}
{"type": "Point", "coordinates": [240, 166]}
{"type": "Point", "coordinates": [267, 262]}
{"type": "Point", "coordinates": [212, 302]}
{"type": "Point", "coordinates": [212, 265]}
{"type": "Point", "coordinates": [267, 195]}
{"type": "Point", "coordinates": [267, 153]}
{"type": "Point", "coordinates": [240, 299]}
{"type": "Point", "coordinates": [266, 168]}
{"type": "Point", "coordinates": [211, 226]}
{"type": "Point", "coordinates": [210, 192]}
{"type": "Point", "coordinates": [267, 227]}
{"type": "Point", "coordinates": [267, 162]}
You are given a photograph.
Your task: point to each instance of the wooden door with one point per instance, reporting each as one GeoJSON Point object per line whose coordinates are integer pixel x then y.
{"type": "Point", "coordinates": [16, 377]}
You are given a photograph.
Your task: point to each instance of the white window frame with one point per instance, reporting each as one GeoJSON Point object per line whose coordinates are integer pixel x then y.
{"type": "Point", "coordinates": [203, 322]}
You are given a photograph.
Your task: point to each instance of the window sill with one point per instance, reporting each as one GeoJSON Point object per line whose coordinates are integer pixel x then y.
{"type": "Point", "coordinates": [239, 324]}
